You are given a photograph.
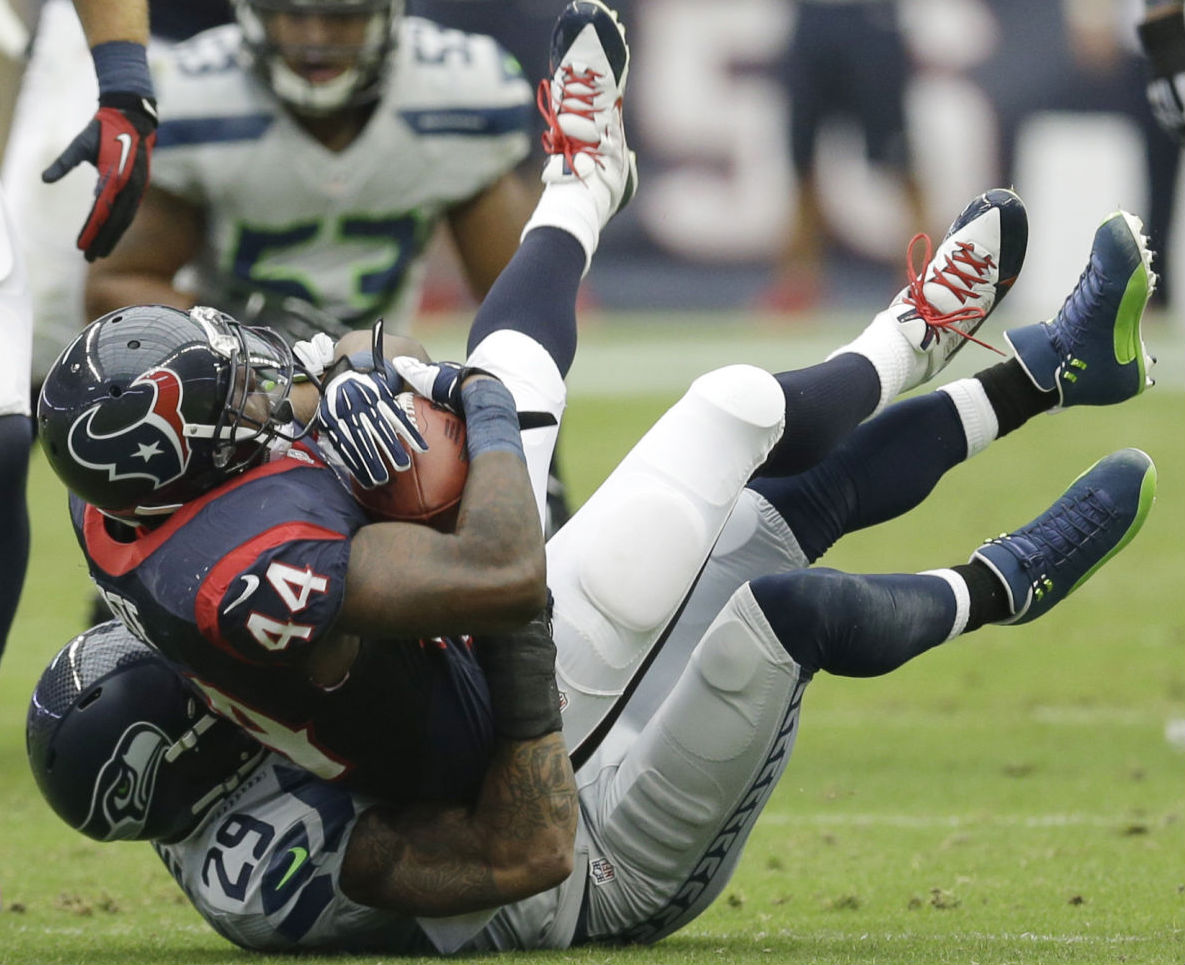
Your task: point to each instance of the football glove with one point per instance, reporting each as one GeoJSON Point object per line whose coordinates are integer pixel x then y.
{"type": "Point", "coordinates": [1163, 38]}
{"type": "Point", "coordinates": [118, 142]}
{"type": "Point", "coordinates": [439, 381]}
{"type": "Point", "coordinates": [369, 430]}
{"type": "Point", "coordinates": [315, 355]}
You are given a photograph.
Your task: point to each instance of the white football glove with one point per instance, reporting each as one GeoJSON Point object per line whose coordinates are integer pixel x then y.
{"type": "Point", "coordinates": [438, 381]}
{"type": "Point", "coordinates": [315, 354]}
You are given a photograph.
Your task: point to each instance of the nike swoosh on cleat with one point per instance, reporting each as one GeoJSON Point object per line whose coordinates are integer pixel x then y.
{"type": "Point", "coordinates": [125, 148]}
{"type": "Point", "coordinates": [299, 857]}
{"type": "Point", "coordinates": [252, 582]}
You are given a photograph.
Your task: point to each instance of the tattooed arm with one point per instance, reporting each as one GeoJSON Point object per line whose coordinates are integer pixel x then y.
{"type": "Point", "coordinates": [518, 838]}
{"type": "Point", "coordinates": [434, 861]}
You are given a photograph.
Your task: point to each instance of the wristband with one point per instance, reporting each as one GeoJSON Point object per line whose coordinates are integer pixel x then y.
{"type": "Point", "coordinates": [491, 420]}
{"type": "Point", "coordinates": [519, 669]}
{"type": "Point", "coordinates": [122, 66]}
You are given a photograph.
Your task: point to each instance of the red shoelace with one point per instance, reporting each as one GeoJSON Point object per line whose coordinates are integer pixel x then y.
{"type": "Point", "coordinates": [572, 101]}
{"type": "Point", "coordinates": [953, 277]}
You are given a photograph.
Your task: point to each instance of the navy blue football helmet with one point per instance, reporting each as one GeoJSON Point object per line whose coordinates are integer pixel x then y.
{"type": "Point", "coordinates": [123, 748]}
{"type": "Point", "coordinates": [151, 406]}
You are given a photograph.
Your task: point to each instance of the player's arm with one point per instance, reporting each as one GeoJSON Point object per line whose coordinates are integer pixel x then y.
{"type": "Point", "coordinates": [404, 579]}
{"type": "Point", "coordinates": [165, 235]}
{"type": "Point", "coordinates": [517, 839]}
{"type": "Point", "coordinates": [433, 861]}
{"type": "Point", "coordinates": [485, 230]}
{"type": "Point", "coordinates": [107, 20]}
{"type": "Point", "coordinates": [119, 139]}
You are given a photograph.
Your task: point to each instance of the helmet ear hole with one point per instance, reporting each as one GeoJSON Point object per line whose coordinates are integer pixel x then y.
{"type": "Point", "coordinates": [90, 698]}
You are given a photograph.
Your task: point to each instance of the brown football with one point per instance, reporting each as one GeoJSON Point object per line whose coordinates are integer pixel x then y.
{"type": "Point", "coordinates": [430, 490]}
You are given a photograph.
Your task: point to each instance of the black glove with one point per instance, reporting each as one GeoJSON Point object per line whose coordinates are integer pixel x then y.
{"type": "Point", "coordinates": [118, 141]}
{"type": "Point", "coordinates": [1163, 38]}
{"type": "Point", "coordinates": [293, 317]}
{"type": "Point", "coordinates": [519, 668]}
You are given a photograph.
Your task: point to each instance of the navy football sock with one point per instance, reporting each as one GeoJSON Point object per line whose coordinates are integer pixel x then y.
{"type": "Point", "coordinates": [855, 626]}
{"type": "Point", "coordinates": [536, 295]}
{"type": "Point", "coordinates": [824, 403]}
{"type": "Point", "coordinates": [884, 468]}
{"type": "Point", "coordinates": [16, 434]}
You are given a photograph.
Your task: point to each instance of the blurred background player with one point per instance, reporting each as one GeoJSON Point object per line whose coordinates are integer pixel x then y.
{"type": "Point", "coordinates": [117, 141]}
{"type": "Point", "coordinates": [1162, 36]}
{"type": "Point", "coordinates": [310, 151]}
{"type": "Point", "coordinates": [846, 58]}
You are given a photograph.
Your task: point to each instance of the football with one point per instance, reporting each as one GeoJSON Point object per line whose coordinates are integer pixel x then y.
{"type": "Point", "coordinates": [430, 490]}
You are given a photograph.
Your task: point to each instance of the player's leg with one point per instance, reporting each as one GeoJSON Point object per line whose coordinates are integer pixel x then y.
{"type": "Point", "coordinates": [669, 817]}
{"type": "Point", "coordinates": [890, 463]}
{"type": "Point", "coordinates": [625, 564]}
{"type": "Point", "coordinates": [525, 330]}
{"type": "Point", "coordinates": [1090, 353]}
{"type": "Point", "coordinates": [911, 340]}
{"type": "Point", "coordinates": [16, 427]}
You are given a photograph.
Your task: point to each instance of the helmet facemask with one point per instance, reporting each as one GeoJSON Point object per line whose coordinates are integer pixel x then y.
{"type": "Point", "coordinates": [256, 409]}
{"type": "Point", "coordinates": [365, 61]}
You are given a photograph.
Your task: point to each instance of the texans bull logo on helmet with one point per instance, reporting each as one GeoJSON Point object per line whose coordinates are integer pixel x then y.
{"type": "Point", "coordinates": [153, 441]}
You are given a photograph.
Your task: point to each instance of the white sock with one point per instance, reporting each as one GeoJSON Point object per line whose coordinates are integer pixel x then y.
{"type": "Point", "coordinates": [980, 425]}
{"type": "Point", "coordinates": [962, 595]}
{"type": "Point", "coordinates": [571, 208]}
{"type": "Point", "coordinates": [897, 364]}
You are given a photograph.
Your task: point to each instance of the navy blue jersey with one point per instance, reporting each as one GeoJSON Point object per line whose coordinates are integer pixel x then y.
{"type": "Point", "coordinates": [238, 586]}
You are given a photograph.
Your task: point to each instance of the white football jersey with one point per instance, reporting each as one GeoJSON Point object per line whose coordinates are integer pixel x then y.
{"type": "Point", "coordinates": [344, 230]}
{"type": "Point", "coordinates": [263, 870]}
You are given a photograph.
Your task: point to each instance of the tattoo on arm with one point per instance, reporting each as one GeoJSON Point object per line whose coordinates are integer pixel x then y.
{"type": "Point", "coordinates": [445, 860]}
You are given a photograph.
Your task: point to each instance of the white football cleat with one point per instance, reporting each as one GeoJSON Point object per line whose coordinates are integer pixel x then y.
{"type": "Point", "coordinates": [943, 306]}
{"type": "Point", "coordinates": [585, 136]}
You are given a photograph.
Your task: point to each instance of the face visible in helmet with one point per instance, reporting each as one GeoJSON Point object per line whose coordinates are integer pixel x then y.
{"type": "Point", "coordinates": [320, 56]}
{"type": "Point", "coordinates": [151, 407]}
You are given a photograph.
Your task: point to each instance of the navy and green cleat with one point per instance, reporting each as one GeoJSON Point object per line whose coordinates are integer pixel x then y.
{"type": "Point", "coordinates": [1091, 352]}
{"type": "Point", "coordinates": [1046, 560]}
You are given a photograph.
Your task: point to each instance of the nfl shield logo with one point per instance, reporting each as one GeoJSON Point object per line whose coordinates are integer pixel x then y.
{"type": "Point", "coordinates": [601, 871]}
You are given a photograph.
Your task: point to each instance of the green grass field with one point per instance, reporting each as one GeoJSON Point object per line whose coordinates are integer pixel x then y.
{"type": "Point", "coordinates": [1010, 797]}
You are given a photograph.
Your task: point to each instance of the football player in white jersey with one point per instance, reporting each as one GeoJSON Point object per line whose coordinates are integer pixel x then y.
{"type": "Point", "coordinates": [117, 141]}
{"type": "Point", "coordinates": [308, 153]}
{"type": "Point", "coordinates": [698, 547]}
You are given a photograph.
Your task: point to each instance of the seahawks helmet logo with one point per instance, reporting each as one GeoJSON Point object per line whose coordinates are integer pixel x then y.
{"type": "Point", "coordinates": [150, 445]}
{"type": "Point", "coordinates": [123, 790]}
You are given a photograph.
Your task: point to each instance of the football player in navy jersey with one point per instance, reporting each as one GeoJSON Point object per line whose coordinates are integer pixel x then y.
{"type": "Point", "coordinates": [224, 537]}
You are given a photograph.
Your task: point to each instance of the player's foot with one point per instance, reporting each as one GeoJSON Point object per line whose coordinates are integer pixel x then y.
{"type": "Point", "coordinates": [944, 305]}
{"type": "Point", "coordinates": [582, 105]}
{"type": "Point", "coordinates": [1091, 351]}
{"type": "Point", "coordinates": [1042, 563]}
